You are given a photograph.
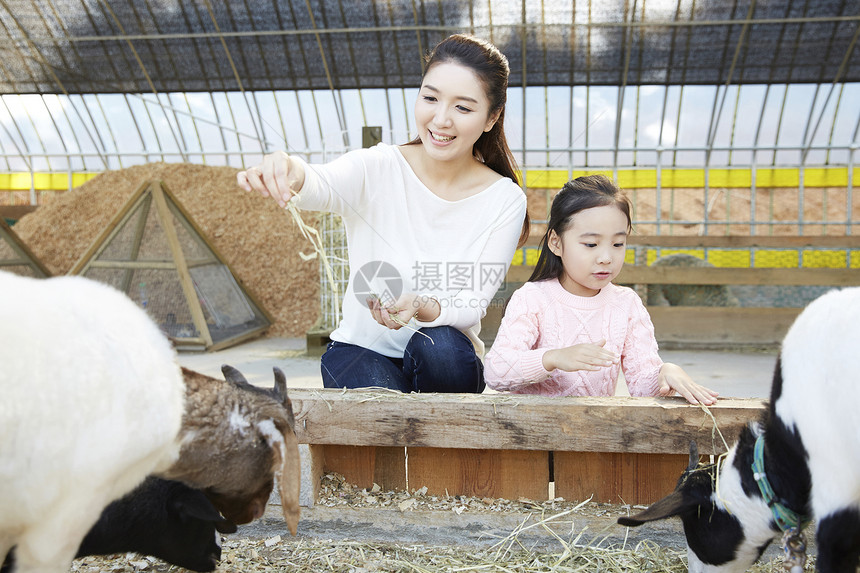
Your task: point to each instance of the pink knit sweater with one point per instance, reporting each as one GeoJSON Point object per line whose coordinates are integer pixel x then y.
{"type": "Point", "coordinates": [543, 315]}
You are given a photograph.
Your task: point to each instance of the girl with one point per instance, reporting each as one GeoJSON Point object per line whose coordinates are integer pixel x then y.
{"type": "Point", "coordinates": [431, 228]}
{"type": "Point", "coordinates": [568, 330]}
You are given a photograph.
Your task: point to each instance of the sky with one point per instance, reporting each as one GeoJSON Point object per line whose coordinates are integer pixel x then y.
{"type": "Point", "coordinates": [116, 130]}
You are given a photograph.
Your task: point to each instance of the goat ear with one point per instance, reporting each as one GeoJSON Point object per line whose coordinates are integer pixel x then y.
{"type": "Point", "coordinates": [193, 504]}
{"type": "Point", "coordinates": [670, 506]}
{"type": "Point", "coordinates": [694, 456]}
{"type": "Point", "coordinates": [288, 473]}
{"type": "Point", "coordinates": [224, 525]}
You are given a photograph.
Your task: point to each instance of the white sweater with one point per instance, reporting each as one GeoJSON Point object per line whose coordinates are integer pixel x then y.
{"type": "Point", "coordinates": [455, 251]}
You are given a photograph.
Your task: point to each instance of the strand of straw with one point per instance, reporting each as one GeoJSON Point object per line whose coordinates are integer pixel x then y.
{"type": "Point", "coordinates": [313, 236]}
{"type": "Point", "coordinates": [716, 428]}
{"type": "Point", "coordinates": [402, 323]}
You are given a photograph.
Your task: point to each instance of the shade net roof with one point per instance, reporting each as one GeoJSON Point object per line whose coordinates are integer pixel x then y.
{"type": "Point", "coordinates": [145, 46]}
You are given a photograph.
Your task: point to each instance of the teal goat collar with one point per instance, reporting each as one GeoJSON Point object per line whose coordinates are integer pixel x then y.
{"type": "Point", "coordinates": [785, 517]}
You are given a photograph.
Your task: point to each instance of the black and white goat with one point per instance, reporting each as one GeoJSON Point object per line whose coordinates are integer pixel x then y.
{"type": "Point", "coordinates": [162, 518]}
{"type": "Point", "coordinates": [802, 462]}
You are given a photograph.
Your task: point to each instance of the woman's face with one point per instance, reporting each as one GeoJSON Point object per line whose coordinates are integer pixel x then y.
{"type": "Point", "coordinates": [452, 111]}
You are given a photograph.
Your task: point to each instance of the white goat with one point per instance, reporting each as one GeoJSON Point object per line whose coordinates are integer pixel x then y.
{"type": "Point", "coordinates": [806, 453]}
{"type": "Point", "coordinates": [93, 401]}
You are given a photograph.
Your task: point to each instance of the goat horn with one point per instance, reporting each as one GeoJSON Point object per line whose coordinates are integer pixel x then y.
{"type": "Point", "coordinates": [279, 392]}
{"type": "Point", "coordinates": [232, 374]}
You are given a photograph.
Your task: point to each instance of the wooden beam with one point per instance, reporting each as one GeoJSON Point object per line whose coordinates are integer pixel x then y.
{"type": "Point", "coordinates": [26, 257]}
{"type": "Point", "coordinates": [515, 422]}
{"type": "Point", "coordinates": [736, 241]}
{"type": "Point", "coordinates": [112, 228]}
{"type": "Point", "coordinates": [635, 274]}
{"type": "Point", "coordinates": [188, 221]}
{"type": "Point", "coordinates": [718, 325]}
{"type": "Point", "coordinates": [631, 274]}
{"type": "Point", "coordinates": [15, 212]}
{"type": "Point", "coordinates": [115, 264]}
{"type": "Point", "coordinates": [168, 223]}
{"type": "Point", "coordinates": [745, 242]}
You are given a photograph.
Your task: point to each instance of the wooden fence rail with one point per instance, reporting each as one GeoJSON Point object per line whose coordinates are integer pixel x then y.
{"type": "Point", "coordinates": [510, 446]}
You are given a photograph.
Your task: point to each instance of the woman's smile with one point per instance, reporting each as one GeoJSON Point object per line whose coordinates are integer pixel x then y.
{"type": "Point", "coordinates": [438, 137]}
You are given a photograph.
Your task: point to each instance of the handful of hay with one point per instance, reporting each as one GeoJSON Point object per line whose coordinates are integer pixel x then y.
{"type": "Point", "coordinates": [313, 236]}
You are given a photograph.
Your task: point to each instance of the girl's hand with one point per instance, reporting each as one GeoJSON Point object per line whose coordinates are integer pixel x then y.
{"type": "Point", "coordinates": [278, 177]}
{"type": "Point", "coordinates": [673, 379]}
{"type": "Point", "coordinates": [580, 357]}
{"type": "Point", "coordinates": [410, 305]}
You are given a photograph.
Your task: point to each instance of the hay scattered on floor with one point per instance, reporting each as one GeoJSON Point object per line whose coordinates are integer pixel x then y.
{"type": "Point", "coordinates": [587, 551]}
{"type": "Point", "coordinates": [335, 491]}
{"type": "Point", "coordinates": [304, 555]}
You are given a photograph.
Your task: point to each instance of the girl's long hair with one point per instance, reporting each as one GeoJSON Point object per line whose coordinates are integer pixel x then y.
{"type": "Point", "coordinates": [491, 66]}
{"type": "Point", "coordinates": [576, 195]}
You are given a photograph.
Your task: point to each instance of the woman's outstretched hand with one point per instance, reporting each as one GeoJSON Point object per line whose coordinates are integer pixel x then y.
{"type": "Point", "coordinates": [279, 176]}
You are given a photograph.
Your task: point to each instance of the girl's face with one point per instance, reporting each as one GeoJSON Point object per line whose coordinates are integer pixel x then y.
{"type": "Point", "coordinates": [591, 249]}
{"type": "Point", "coordinates": [452, 111]}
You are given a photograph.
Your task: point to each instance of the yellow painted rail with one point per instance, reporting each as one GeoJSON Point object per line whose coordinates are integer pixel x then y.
{"type": "Point", "coordinates": [670, 178]}
{"type": "Point", "coordinates": [22, 181]}
{"type": "Point", "coordinates": [678, 178]}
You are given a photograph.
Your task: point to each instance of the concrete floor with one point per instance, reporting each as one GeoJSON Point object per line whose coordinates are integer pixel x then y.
{"type": "Point", "coordinates": [738, 374]}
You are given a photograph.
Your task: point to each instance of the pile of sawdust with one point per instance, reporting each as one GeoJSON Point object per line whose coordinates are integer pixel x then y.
{"type": "Point", "coordinates": [258, 239]}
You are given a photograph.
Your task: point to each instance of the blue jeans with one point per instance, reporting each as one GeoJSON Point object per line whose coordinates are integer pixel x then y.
{"type": "Point", "coordinates": [448, 364]}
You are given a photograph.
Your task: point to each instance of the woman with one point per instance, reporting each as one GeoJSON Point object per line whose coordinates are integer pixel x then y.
{"type": "Point", "coordinates": [431, 228]}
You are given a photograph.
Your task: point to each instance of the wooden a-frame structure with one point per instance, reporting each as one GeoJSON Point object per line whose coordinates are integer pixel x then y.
{"type": "Point", "coordinates": [154, 252]}
{"type": "Point", "coordinates": [16, 257]}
